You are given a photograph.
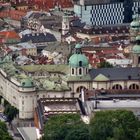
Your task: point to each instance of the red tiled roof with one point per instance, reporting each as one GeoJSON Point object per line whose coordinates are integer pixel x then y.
{"type": "Point", "coordinates": [16, 14]}
{"type": "Point", "coordinates": [111, 51]}
{"type": "Point", "coordinates": [9, 34]}
{"type": "Point", "coordinates": [48, 4]}
{"type": "Point", "coordinates": [1, 40]}
{"type": "Point", "coordinates": [13, 14]}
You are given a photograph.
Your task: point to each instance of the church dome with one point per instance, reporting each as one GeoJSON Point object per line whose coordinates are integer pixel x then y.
{"type": "Point", "coordinates": [78, 59]}
{"type": "Point", "coordinates": [138, 38]}
{"type": "Point", "coordinates": [27, 83]}
{"type": "Point", "coordinates": [135, 24]}
{"type": "Point", "coordinates": [136, 49]}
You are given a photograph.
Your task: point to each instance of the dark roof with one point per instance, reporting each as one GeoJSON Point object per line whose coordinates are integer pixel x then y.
{"type": "Point", "coordinates": [38, 37]}
{"type": "Point", "coordinates": [36, 15]}
{"type": "Point", "coordinates": [130, 73]}
{"type": "Point", "coordinates": [93, 2]}
{"type": "Point", "coordinates": [77, 23]}
{"type": "Point", "coordinates": [111, 29]}
{"type": "Point", "coordinates": [3, 24]}
{"type": "Point", "coordinates": [65, 105]}
{"type": "Point", "coordinates": [52, 25]}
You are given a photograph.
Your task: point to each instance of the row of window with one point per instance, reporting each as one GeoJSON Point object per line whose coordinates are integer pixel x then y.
{"type": "Point", "coordinates": [79, 72]}
{"type": "Point", "coordinates": [132, 86]}
{"type": "Point", "coordinates": [116, 87]}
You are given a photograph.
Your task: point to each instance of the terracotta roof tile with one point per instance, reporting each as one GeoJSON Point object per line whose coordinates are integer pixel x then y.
{"type": "Point", "coordinates": [47, 4]}
{"type": "Point", "coordinates": [13, 14]}
{"type": "Point", "coordinates": [9, 34]}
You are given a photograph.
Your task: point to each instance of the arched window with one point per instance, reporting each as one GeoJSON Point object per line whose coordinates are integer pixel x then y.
{"type": "Point", "coordinates": [117, 86]}
{"type": "Point", "coordinates": [80, 71]}
{"type": "Point", "coordinates": [79, 89]}
{"type": "Point", "coordinates": [133, 86]}
{"type": "Point", "coordinates": [72, 71]}
{"type": "Point", "coordinates": [80, 63]}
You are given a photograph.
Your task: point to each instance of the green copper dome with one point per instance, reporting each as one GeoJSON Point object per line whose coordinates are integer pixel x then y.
{"type": "Point", "coordinates": [138, 38]}
{"type": "Point", "coordinates": [135, 24]}
{"type": "Point", "coordinates": [78, 46]}
{"type": "Point", "coordinates": [136, 49]}
{"type": "Point", "coordinates": [78, 60]}
{"type": "Point", "coordinates": [27, 83]}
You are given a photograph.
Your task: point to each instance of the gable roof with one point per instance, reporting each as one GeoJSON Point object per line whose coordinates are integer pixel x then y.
{"type": "Point", "coordinates": [129, 73]}
{"type": "Point", "coordinates": [101, 77]}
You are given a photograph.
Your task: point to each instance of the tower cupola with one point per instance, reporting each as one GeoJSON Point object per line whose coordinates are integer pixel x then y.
{"type": "Point", "coordinates": [78, 62]}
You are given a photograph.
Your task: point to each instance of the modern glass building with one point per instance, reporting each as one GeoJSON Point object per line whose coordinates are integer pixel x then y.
{"type": "Point", "coordinates": [104, 12]}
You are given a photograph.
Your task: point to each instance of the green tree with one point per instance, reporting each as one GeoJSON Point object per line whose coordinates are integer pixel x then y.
{"type": "Point", "coordinates": [62, 127]}
{"type": "Point", "coordinates": [114, 125]}
{"type": "Point", "coordinates": [138, 134]}
{"type": "Point", "coordinates": [6, 103]}
{"type": "Point", "coordinates": [10, 112]}
{"type": "Point", "coordinates": [80, 132]}
{"type": "Point", "coordinates": [105, 64]}
{"type": "Point", "coordinates": [4, 135]}
{"type": "Point", "coordinates": [118, 133]}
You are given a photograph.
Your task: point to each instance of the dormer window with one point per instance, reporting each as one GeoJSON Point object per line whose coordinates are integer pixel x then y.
{"type": "Point", "coordinates": [80, 63]}
{"type": "Point", "coordinates": [23, 83]}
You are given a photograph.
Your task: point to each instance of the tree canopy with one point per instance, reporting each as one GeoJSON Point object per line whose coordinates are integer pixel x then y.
{"type": "Point", "coordinates": [114, 125]}
{"type": "Point", "coordinates": [105, 64]}
{"type": "Point", "coordinates": [104, 125]}
{"type": "Point", "coordinates": [66, 127]}
{"type": "Point", "coordinates": [3, 132]}
{"type": "Point", "coordinates": [10, 112]}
